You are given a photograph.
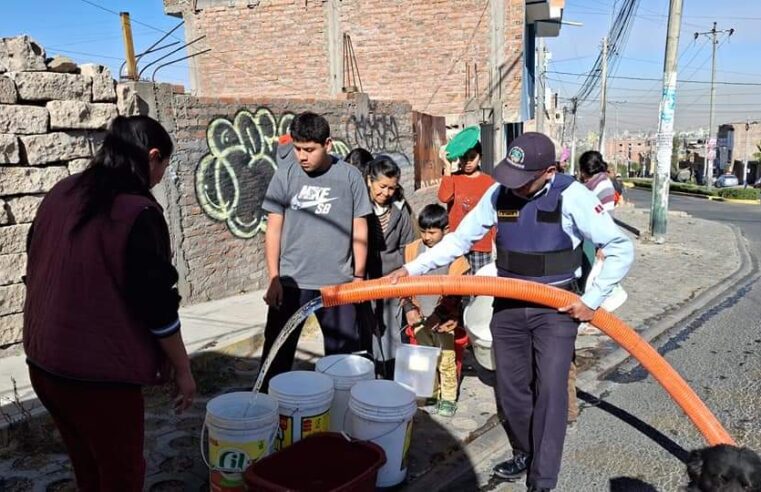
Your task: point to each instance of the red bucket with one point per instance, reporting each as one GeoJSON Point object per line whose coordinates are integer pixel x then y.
{"type": "Point", "coordinates": [325, 462]}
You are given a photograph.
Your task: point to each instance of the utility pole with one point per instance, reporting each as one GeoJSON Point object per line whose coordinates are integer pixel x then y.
{"type": "Point", "coordinates": [540, 98]}
{"type": "Point", "coordinates": [572, 164]}
{"type": "Point", "coordinates": [129, 47]}
{"type": "Point", "coordinates": [660, 203]}
{"type": "Point", "coordinates": [603, 95]}
{"type": "Point", "coordinates": [745, 156]}
{"type": "Point", "coordinates": [711, 140]}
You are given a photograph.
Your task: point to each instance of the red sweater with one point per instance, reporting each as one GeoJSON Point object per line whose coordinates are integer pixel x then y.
{"type": "Point", "coordinates": [461, 194]}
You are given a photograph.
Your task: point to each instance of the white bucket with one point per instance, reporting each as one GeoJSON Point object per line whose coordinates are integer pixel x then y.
{"type": "Point", "coordinates": [346, 371]}
{"type": "Point", "coordinates": [304, 399]}
{"type": "Point", "coordinates": [476, 319]}
{"type": "Point", "coordinates": [417, 367]}
{"type": "Point", "coordinates": [381, 411]}
{"type": "Point", "coordinates": [241, 427]}
{"type": "Point", "coordinates": [618, 295]}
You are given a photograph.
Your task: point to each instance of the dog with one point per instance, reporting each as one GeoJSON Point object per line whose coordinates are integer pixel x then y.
{"type": "Point", "coordinates": [724, 468]}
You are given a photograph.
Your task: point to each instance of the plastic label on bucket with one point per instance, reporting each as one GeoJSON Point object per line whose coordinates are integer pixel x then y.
{"type": "Point", "coordinates": [407, 442]}
{"type": "Point", "coordinates": [309, 425]}
{"type": "Point", "coordinates": [232, 456]}
{"type": "Point", "coordinates": [226, 482]}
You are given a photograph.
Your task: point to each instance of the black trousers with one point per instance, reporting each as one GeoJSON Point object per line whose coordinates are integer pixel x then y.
{"type": "Point", "coordinates": [339, 330]}
{"type": "Point", "coordinates": [533, 347]}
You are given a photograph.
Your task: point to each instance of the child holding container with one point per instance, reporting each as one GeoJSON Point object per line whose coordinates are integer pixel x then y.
{"type": "Point", "coordinates": [435, 321]}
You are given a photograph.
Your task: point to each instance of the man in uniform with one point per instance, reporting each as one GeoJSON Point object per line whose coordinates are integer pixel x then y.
{"type": "Point", "coordinates": [542, 218]}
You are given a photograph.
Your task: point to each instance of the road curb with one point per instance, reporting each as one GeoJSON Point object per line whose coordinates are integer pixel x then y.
{"type": "Point", "coordinates": [698, 195]}
{"type": "Point", "coordinates": [589, 379]}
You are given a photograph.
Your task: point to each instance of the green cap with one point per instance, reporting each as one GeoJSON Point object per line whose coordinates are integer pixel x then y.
{"type": "Point", "coordinates": [463, 142]}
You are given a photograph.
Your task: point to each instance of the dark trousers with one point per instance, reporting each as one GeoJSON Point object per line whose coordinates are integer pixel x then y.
{"type": "Point", "coordinates": [102, 427]}
{"type": "Point", "coordinates": [533, 346]}
{"type": "Point", "coordinates": [338, 324]}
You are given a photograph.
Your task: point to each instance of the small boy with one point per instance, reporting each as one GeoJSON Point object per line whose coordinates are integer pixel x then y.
{"type": "Point", "coordinates": [432, 321]}
{"type": "Point", "coordinates": [316, 236]}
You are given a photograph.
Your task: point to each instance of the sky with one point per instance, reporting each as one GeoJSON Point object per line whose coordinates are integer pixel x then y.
{"type": "Point", "coordinates": [634, 103]}
{"type": "Point", "coordinates": [87, 32]}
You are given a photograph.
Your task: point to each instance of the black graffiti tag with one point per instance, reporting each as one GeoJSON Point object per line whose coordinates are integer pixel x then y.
{"type": "Point", "coordinates": [376, 132]}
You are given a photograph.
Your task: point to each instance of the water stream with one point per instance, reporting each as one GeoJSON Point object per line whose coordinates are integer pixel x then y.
{"type": "Point", "coordinates": [298, 317]}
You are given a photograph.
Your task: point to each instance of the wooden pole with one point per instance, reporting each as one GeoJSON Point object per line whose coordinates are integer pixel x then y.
{"type": "Point", "coordinates": [129, 47]}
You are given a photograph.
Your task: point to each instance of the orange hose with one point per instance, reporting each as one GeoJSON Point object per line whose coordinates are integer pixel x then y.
{"type": "Point", "coordinates": [552, 297]}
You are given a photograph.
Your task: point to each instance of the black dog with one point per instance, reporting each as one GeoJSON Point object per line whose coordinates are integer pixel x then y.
{"type": "Point", "coordinates": [724, 468]}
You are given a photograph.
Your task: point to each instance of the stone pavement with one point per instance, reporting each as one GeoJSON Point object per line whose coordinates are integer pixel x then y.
{"type": "Point", "coordinates": [223, 338]}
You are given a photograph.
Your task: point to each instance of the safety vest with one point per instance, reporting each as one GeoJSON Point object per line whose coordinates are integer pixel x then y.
{"type": "Point", "coordinates": [531, 243]}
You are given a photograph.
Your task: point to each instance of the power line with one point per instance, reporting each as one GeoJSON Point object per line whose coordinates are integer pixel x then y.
{"type": "Point", "coordinates": [84, 54]}
{"type": "Point", "coordinates": [226, 62]}
{"type": "Point", "coordinates": [647, 79]}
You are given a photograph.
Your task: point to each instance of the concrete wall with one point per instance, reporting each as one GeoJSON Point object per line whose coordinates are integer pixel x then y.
{"type": "Point", "coordinates": [52, 115]}
{"type": "Point", "coordinates": [422, 51]}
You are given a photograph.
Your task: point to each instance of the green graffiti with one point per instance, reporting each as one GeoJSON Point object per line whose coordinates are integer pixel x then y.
{"type": "Point", "coordinates": [231, 180]}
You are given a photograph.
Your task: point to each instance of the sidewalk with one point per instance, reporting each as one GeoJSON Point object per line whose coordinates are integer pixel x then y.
{"type": "Point", "coordinates": [225, 339]}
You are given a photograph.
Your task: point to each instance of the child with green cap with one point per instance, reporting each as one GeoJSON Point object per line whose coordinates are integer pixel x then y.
{"type": "Point", "coordinates": [460, 191]}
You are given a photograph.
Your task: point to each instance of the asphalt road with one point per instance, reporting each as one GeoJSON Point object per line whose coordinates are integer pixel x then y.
{"type": "Point", "coordinates": [637, 438]}
{"type": "Point", "coordinates": [630, 435]}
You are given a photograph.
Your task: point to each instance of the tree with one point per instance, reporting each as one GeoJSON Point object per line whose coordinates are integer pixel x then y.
{"type": "Point", "coordinates": [757, 155]}
{"type": "Point", "coordinates": [675, 153]}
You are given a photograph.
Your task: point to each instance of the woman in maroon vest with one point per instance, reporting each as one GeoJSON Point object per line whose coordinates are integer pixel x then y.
{"type": "Point", "coordinates": [100, 319]}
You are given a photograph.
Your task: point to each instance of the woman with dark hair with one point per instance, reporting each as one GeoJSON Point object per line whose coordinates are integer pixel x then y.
{"type": "Point", "coordinates": [390, 230]}
{"type": "Point", "coordinates": [101, 312]}
{"type": "Point", "coordinates": [359, 158]}
{"type": "Point", "coordinates": [593, 171]}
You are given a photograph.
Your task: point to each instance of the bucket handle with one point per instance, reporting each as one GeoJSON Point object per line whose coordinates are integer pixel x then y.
{"type": "Point", "coordinates": [353, 439]}
{"type": "Point", "coordinates": [230, 470]}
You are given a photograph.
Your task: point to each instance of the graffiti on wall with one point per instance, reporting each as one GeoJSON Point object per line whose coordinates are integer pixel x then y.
{"type": "Point", "coordinates": [231, 180]}
{"type": "Point", "coordinates": [376, 132]}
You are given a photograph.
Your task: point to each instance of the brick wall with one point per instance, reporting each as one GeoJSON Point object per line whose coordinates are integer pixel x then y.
{"type": "Point", "coordinates": [416, 50]}
{"type": "Point", "coordinates": [225, 155]}
{"type": "Point", "coordinates": [52, 114]}
{"type": "Point", "coordinates": [51, 123]}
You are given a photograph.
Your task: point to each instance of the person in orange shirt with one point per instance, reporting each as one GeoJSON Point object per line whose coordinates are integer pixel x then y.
{"type": "Point", "coordinates": [460, 191]}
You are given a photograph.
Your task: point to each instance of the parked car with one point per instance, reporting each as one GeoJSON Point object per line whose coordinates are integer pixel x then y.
{"type": "Point", "coordinates": [727, 180]}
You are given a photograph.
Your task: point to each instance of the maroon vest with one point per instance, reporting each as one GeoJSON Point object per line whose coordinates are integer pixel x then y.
{"type": "Point", "coordinates": [77, 322]}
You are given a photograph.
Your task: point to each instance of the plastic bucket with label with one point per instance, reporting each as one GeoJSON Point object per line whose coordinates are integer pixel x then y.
{"type": "Point", "coordinates": [304, 399]}
{"type": "Point", "coordinates": [241, 428]}
{"type": "Point", "coordinates": [381, 412]}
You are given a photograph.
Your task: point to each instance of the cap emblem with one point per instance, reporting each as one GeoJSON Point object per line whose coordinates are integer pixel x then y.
{"type": "Point", "coordinates": [516, 156]}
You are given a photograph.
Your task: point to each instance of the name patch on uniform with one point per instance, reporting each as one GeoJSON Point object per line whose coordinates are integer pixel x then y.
{"type": "Point", "coordinates": [508, 215]}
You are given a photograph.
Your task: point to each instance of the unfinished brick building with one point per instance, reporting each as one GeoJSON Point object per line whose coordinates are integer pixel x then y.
{"type": "Point", "coordinates": [470, 61]}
